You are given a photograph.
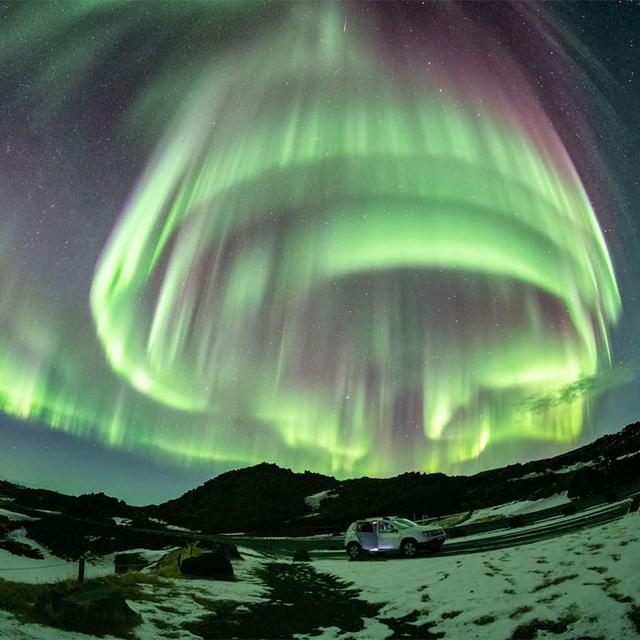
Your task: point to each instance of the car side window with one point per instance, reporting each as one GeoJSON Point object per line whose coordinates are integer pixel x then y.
{"type": "Point", "coordinates": [386, 527]}
{"type": "Point", "coordinates": [366, 527]}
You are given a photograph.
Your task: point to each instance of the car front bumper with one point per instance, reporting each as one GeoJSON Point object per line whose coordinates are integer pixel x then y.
{"type": "Point", "coordinates": [437, 541]}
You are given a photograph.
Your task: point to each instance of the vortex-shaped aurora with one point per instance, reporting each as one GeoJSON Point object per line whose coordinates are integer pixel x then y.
{"type": "Point", "coordinates": [330, 265]}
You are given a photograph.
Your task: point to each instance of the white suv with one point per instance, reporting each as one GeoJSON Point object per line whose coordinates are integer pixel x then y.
{"type": "Point", "coordinates": [389, 534]}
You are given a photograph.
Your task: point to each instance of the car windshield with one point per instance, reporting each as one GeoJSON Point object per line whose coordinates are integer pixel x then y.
{"type": "Point", "coordinates": [403, 523]}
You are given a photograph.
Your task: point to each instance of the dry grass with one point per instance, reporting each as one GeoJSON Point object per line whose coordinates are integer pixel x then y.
{"type": "Point", "coordinates": [598, 569]}
{"type": "Point", "coordinates": [529, 630]}
{"type": "Point", "coordinates": [169, 564]}
{"type": "Point", "coordinates": [618, 597]}
{"type": "Point", "coordinates": [19, 598]}
{"type": "Point", "coordinates": [548, 582]}
{"type": "Point", "coordinates": [131, 585]}
{"type": "Point", "coordinates": [484, 620]}
{"type": "Point", "coordinates": [634, 616]}
{"type": "Point", "coordinates": [450, 614]}
{"type": "Point", "coordinates": [520, 611]}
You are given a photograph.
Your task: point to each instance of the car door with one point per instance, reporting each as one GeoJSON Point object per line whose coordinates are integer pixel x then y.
{"type": "Point", "coordinates": [388, 537]}
{"type": "Point", "coordinates": [367, 536]}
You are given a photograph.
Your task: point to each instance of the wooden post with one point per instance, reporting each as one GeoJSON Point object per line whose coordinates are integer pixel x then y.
{"type": "Point", "coordinates": [81, 570]}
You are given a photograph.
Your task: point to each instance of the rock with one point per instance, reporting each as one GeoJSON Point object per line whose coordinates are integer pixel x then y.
{"type": "Point", "coordinates": [227, 549]}
{"type": "Point", "coordinates": [208, 565]}
{"type": "Point", "coordinates": [230, 550]}
{"type": "Point", "coordinates": [125, 562]}
{"type": "Point", "coordinates": [301, 555]}
{"type": "Point", "coordinates": [92, 608]}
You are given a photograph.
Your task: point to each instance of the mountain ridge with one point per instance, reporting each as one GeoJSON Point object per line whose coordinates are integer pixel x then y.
{"type": "Point", "coordinates": [268, 499]}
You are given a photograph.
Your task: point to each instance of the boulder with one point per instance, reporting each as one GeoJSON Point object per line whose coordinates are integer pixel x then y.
{"type": "Point", "coordinates": [92, 608]}
{"type": "Point", "coordinates": [125, 562]}
{"type": "Point", "coordinates": [227, 549]}
{"type": "Point", "coordinates": [208, 565]}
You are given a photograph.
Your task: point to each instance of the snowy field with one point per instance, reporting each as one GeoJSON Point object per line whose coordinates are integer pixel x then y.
{"type": "Point", "coordinates": [591, 578]}
{"type": "Point", "coordinates": [580, 585]}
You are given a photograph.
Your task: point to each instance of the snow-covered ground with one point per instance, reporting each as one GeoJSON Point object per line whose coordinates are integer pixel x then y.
{"type": "Point", "coordinates": [541, 524]}
{"type": "Point", "coordinates": [175, 602]}
{"type": "Point", "coordinates": [184, 608]}
{"type": "Point", "coordinates": [518, 508]}
{"type": "Point", "coordinates": [583, 584]}
{"type": "Point", "coordinates": [589, 579]}
{"type": "Point", "coordinates": [52, 568]}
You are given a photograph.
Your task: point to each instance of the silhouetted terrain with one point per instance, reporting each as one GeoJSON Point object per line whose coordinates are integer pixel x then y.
{"type": "Point", "coordinates": [266, 499]}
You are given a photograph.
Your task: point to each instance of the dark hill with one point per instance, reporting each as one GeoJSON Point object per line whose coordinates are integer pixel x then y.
{"type": "Point", "coordinates": [269, 500]}
{"type": "Point", "coordinates": [258, 497]}
{"type": "Point", "coordinates": [266, 499]}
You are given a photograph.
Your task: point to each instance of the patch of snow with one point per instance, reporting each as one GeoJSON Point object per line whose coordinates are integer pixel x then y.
{"type": "Point", "coordinates": [518, 507]}
{"type": "Point", "coordinates": [175, 527]}
{"type": "Point", "coordinates": [12, 515]}
{"type": "Point", "coordinates": [628, 455]}
{"type": "Point", "coordinates": [540, 524]}
{"type": "Point", "coordinates": [122, 522]}
{"type": "Point", "coordinates": [315, 499]}
{"type": "Point", "coordinates": [50, 569]}
{"type": "Point", "coordinates": [574, 467]}
{"type": "Point", "coordinates": [53, 569]}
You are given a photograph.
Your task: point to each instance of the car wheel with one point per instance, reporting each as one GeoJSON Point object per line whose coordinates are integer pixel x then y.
{"type": "Point", "coordinates": [409, 548]}
{"type": "Point", "coordinates": [354, 551]}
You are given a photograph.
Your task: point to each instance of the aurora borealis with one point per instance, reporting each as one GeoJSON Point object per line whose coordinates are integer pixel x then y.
{"type": "Point", "coordinates": [326, 235]}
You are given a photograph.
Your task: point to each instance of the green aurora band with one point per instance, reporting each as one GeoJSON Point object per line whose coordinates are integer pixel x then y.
{"type": "Point", "coordinates": [331, 266]}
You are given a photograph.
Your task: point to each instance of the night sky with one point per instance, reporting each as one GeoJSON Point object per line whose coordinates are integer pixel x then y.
{"type": "Point", "coordinates": [355, 238]}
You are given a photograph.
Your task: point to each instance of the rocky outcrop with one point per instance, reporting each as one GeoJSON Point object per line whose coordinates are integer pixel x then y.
{"type": "Point", "coordinates": [227, 549]}
{"type": "Point", "coordinates": [93, 608]}
{"type": "Point", "coordinates": [208, 565]}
